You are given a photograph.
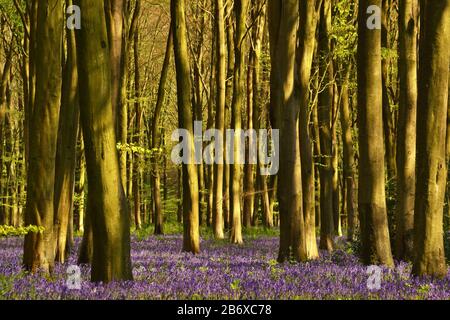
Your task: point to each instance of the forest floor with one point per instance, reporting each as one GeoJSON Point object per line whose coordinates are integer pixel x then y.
{"type": "Point", "coordinates": [221, 271]}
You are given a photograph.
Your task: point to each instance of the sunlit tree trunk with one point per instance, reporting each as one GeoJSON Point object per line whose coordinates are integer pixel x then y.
{"type": "Point", "coordinates": [191, 237]}
{"type": "Point", "coordinates": [39, 247]}
{"type": "Point", "coordinates": [348, 158]}
{"type": "Point", "coordinates": [283, 21]}
{"type": "Point", "coordinates": [406, 142]}
{"type": "Point", "coordinates": [217, 214]}
{"type": "Point", "coordinates": [431, 165]}
{"type": "Point", "coordinates": [156, 137]}
{"type": "Point", "coordinates": [309, 15]}
{"type": "Point", "coordinates": [388, 117]}
{"type": "Point", "coordinates": [376, 247]}
{"type": "Point", "coordinates": [241, 8]}
{"type": "Point", "coordinates": [137, 134]}
{"type": "Point", "coordinates": [66, 150]}
{"type": "Point", "coordinates": [107, 206]}
{"type": "Point", "coordinates": [325, 112]}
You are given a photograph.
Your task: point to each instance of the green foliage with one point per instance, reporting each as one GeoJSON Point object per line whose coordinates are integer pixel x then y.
{"type": "Point", "coordinates": [134, 148]}
{"type": "Point", "coordinates": [344, 33]}
{"type": "Point", "coordinates": [9, 231]}
{"type": "Point", "coordinates": [235, 285]}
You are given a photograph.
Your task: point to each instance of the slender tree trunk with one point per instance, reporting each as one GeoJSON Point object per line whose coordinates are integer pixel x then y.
{"type": "Point", "coordinates": [210, 124]}
{"type": "Point", "coordinates": [218, 200]}
{"type": "Point", "coordinates": [241, 8]}
{"type": "Point", "coordinates": [228, 99]}
{"type": "Point", "coordinates": [406, 143]}
{"type": "Point", "coordinates": [376, 247]}
{"type": "Point", "coordinates": [335, 156]}
{"type": "Point", "coordinates": [81, 185]}
{"type": "Point", "coordinates": [191, 237]}
{"type": "Point", "coordinates": [431, 133]}
{"type": "Point", "coordinates": [137, 134]}
{"type": "Point", "coordinates": [348, 158]}
{"type": "Point", "coordinates": [309, 15]}
{"type": "Point", "coordinates": [66, 150]}
{"type": "Point", "coordinates": [249, 168]}
{"type": "Point", "coordinates": [87, 242]}
{"type": "Point", "coordinates": [156, 136]}
{"type": "Point", "coordinates": [107, 204]}
{"type": "Point", "coordinates": [258, 112]}
{"type": "Point", "coordinates": [198, 101]}
{"type": "Point", "coordinates": [325, 132]}
{"type": "Point", "coordinates": [179, 195]}
{"type": "Point", "coordinates": [39, 247]}
{"type": "Point", "coordinates": [388, 118]}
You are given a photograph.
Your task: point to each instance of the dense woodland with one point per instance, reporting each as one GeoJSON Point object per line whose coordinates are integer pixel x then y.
{"type": "Point", "coordinates": [357, 89]}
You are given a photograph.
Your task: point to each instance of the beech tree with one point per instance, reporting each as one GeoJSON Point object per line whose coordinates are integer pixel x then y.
{"type": "Point", "coordinates": [191, 237]}
{"type": "Point", "coordinates": [406, 141]}
{"type": "Point", "coordinates": [432, 109]}
{"type": "Point", "coordinates": [107, 206]}
{"type": "Point", "coordinates": [44, 118]}
{"type": "Point", "coordinates": [241, 8]}
{"type": "Point", "coordinates": [217, 214]}
{"type": "Point", "coordinates": [283, 24]}
{"type": "Point", "coordinates": [66, 150]}
{"type": "Point", "coordinates": [309, 17]}
{"type": "Point", "coordinates": [376, 247]}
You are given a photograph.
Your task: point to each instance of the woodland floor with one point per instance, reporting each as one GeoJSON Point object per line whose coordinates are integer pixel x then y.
{"type": "Point", "coordinates": [221, 271]}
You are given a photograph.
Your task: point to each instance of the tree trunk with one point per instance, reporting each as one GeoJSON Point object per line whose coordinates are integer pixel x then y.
{"type": "Point", "coordinates": [114, 13]}
{"type": "Point", "coordinates": [406, 143]}
{"type": "Point", "coordinates": [228, 99]}
{"type": "Point", "coordinates": [249, 168]}
{"type": "Point", "coordinates": [376, 247]}
{"type": "Point", "coordinates": [217, 213]}
{"type": "Point", "coordinates": [325, 112]}
{"type": "Point", "coordinates": [39, 247]}
{"type": "Point", "coordinates": [241, 8]}
{"type": "Point", "coordinates": [107, 204]}
{"type": "Point", "coordinates": [283, 21]}
{"type": "Point", "coordinates": [66, 150]}
{"type": "Point", "coordinates": [87, 242]}
{"type": "Point", "coordinates": [307, 31]}
{"type": "Point", "coordinates": [137, 135]}
{"type": "Point", "coordinates": [259, 116]}
{"type": "Point", "coordinates": [191, 237]}
{"type": "Point", "coordinates": [388, 118]}
{"type": "Point", "coordinates": [156, 136]}
{"type": "Point", "coordinates": [348, 158]}
{"type": "Point", "coordinates": [431, 133]}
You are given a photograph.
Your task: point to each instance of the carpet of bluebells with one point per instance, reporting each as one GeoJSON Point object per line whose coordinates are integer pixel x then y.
{"type": "Point", "coordinates": [221, 271]}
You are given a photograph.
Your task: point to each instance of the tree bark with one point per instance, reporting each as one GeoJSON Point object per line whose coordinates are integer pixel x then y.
{"type": "Point", "coordinates": [283, 21]}
{"type": "Point", "coordinates": [324, 112]}
{"type": "Point", "coordinates": [217, 214]}
{"type": "Point", "coordinates": [309, 16]}
{"type": "Point", "coordinates": [431, 165]}
{"type": "Point", "coordinates": [107, 205]}
{"type": "Point", "coordinates": [241, 8]}
{"type": "Point", "coordinates": [406, 143]}
{"type": "Point", "coordinates": [137, 135]}
{"type": "Point", "coordinates": [156, 136]}
{"type": "Point", "coordinates": [191, 237]}
{"type": "Point", "coordinates": [39, 247]}
{"type": "Point", "coordinates": [388, 117]}
{"type": "Point", "coordinates": [348, 158]}
{"type": "Point", "coordinates": [66, 150]}
{"type": "Point", "coordinates": [376, 247]}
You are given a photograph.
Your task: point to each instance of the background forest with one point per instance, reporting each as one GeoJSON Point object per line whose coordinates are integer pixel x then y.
{"type": "Point", "coordinates": [91, 92]}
